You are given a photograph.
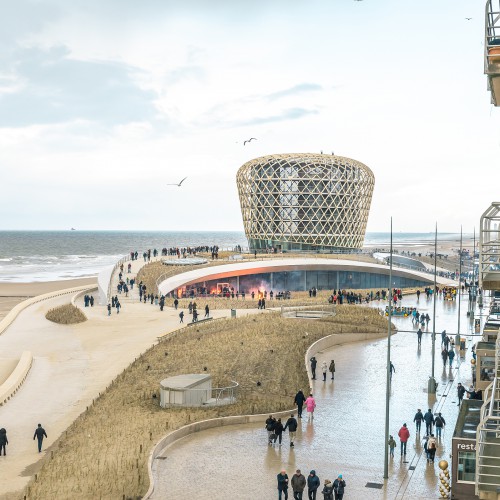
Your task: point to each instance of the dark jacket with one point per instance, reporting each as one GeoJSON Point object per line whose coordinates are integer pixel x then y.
{"type": "Point", "coordinates": [278, 428]}
{"type": "Point", "coordinates": [429, 419]}
{"type": "Point", "coordinates": [460, 391]}
{"type": "Point", "coordinates": [270, 423]}
{"type": "Point", "coordinates": [291, 424]}
{"type": "Point", "coordinates": [419, 416]}
{"type": "Point", "coordinates": [439, 421]}
{"type": "Point", "coordinates": [299, 399]}
{"type": "Point", "coordinates": [338, 486]}
{"type": "Point", "coordinates": [39, 433]}
{"type": "Point", "coordinates": [282, 481]}
{"type": "Point", "coordinates": [314, 362]}
{"type": "Point", "coordinates": [3, 437]}
{"type": "Point", "coordinates": [298, 482]}
{"type": "Point", "coordinates": [313, 482]}
{"type": "Point", "coordinates": [328, 492]}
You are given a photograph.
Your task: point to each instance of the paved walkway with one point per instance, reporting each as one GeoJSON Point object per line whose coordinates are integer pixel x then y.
{"type": "Point", "coordinates": [347, 435]}
{"type": "Point", "coordinates": [72, 364]}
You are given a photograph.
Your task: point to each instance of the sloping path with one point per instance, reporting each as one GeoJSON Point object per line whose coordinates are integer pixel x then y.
{"type": "Point", "coordinates": [347, 435]}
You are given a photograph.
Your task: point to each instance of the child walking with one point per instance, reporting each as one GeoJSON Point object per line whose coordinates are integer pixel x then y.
{"type": "Point", "coordinates": [392, 445]}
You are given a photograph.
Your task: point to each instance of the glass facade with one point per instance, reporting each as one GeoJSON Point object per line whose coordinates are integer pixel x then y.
{"type": "Point", "coordinates": [466, 466]}
{"type": "Point", "coordinates": [304, 280]}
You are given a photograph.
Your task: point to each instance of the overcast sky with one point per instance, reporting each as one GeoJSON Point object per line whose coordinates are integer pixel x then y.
{"type": "Point", "coordinates": [102, 103]}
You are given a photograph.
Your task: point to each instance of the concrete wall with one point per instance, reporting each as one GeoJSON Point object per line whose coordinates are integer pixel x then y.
{"type": "Point", "coordinates": [16, 378]}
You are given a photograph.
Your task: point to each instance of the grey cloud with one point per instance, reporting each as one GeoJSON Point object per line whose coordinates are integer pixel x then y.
{"type": "Point", "coordinates": [296, 89]}
{"type": "Point", "coordinates": [55, 88]}
{"type": "Point", "coordinates": [288, 114]}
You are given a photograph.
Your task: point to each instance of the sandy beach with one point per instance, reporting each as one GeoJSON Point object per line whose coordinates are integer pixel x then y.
{"type": "Point", "coordinates": [13, 293]}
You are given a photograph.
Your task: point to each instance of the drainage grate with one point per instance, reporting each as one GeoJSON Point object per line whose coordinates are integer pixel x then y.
{"type": "Point", "coordinates": [412, 467]}
{"type": "Point", "coordinates": [377, 486]}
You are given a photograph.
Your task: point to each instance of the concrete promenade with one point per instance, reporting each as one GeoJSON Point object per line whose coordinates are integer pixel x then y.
{"type": "Point", "coordinates": [72, 364]}
{"type": "Point", "coordinates": [347, 434]}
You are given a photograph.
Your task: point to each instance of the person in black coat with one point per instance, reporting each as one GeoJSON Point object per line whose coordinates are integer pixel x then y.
{"type": "Point", "coordinates": [299, 401]}
{"type": "Point", "coordinates": [270, 423]}
{"type": "Point", "coordinates": [339, 487]}
{"type": "Point", "coordinates": [291, 425]}
{"type": "Point", "coordinates": [39, 434]}
{"type": "Point", "coordinates": [314, 362]}
{"type": "Point", "coordinates": [429, 421]}
{"type": "Point", "coordinates": [419, 416]}
{"type": "Point", "coordinates": [282, 484]}
{"type": "Point", "coordinates": [313, 483]}
{"type": "Point", "coordinates": [3, 441]}
{"type": "Point", "coordinates": [278, 431]}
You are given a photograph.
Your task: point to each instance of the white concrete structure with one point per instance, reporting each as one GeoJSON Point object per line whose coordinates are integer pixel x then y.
{"type": "Point", "coordinates": [290, 264]}
{"type": "Point", "coordinates": [190, 389]}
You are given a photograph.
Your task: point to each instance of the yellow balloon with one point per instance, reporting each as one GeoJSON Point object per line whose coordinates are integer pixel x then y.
{"type": "Point", "coordinates": [472, 361]}
{"type": "Point", "coordinates": [443, 464]}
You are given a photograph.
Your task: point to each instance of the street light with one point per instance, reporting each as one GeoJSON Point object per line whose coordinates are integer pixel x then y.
{"type": "Point", "coordinates": [431, 385]}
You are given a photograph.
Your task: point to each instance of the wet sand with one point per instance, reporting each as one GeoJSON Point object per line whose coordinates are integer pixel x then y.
{"type": "Point", "coordinates": [13, 293]}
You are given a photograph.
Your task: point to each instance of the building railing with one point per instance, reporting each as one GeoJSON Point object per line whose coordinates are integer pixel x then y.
{"type": "Point", "coordinates": [216, 396]}
{"type": "Point", "coordinates": [488, 435]}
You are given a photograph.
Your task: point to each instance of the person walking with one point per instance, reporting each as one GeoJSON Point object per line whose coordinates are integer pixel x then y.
{"type": "Point", "coordinates": [298, 485]}
{"type": "Point", "coordinates": [278, 431]}
{"type": "Point", "coordinates": [291, 424]}
{"type": "Point", "coordinates": [392, 369]}
{"type": "Point", "coordinates": [327, 490]}
{"type": "Point", "coordinates": [282, 484]}
{"type": "Point", "coordinates": [314, 362]}
{"type": "Point", "coordinates": [451, 356]}
{"type": "Point", "coordinates": [299, 401]}
{"type": "Point", "coordinates": [310, 406]}
{"type": "Point", "coordinates": [109, 309]}
{"type": "Point", "coordinates": [404, 435]}
{"type": "Point", "coordinates": [419, 336]}
{"type": "Point", "coordinates": [419, 416]}
{"type": "Point", "coordinates": [39, 434]}
{"type": "Point", "coordinates": [331, 369]}
{"type": "Point", "coordinates": [313, 483]}
{"type": "Point", "coordinates": [207, 311]}
{"type": "Point", "coordinates": [392, 446]}
{"type": "Point", "coordinates": [444, 355]}
{"type": "Point", "coordinates": [176, 304]}
{"type": "Point", "coordinates": [270, 423]}
{"type": "Point", "coordinates": [460, 392]}
{"type": "Point", "coordinates": [324, 369]}
{"type": "Point", "coordinates": [431, 448]}
{"type": "Point", "coordinates": [3, 441]}
{"type": "Point", "coordinates": [339, 487]}
{"type": "Point", "coordinates": [439, 423]}
{"type": "Point", "coordinates": [429, 421]}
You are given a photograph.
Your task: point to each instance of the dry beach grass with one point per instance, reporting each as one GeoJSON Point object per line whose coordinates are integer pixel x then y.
{"type": "Point", "coordinates": [104, 453]}
{"type": "Point", "coordinates": [67, 314]}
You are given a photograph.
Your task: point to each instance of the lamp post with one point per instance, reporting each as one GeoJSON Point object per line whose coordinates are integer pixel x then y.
{"type": "Point", "coordinates": [431, 385]}
{"type": "Point", "coordinates": [457, 336]}
{"type": "Point", "coordinates": [388, 379]}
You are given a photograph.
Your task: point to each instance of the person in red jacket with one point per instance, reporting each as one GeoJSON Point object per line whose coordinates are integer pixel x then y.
{"type": "Point", "coordinates": [404, 435]}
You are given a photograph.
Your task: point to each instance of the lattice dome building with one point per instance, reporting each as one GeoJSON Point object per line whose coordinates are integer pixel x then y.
{"type": "Point", "coordinates": [305, 201]}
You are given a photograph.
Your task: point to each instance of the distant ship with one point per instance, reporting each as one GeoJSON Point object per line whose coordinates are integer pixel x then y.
{"type": "Point", "coordinates": [73, 229]}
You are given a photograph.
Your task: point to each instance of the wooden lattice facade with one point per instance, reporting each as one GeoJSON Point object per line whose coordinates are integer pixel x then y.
{"type": "Point", "coordinates": [305, 201]}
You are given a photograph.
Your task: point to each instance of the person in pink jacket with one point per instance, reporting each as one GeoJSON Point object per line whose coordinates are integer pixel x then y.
{"type": "Point", "coordinates": [310, 405]}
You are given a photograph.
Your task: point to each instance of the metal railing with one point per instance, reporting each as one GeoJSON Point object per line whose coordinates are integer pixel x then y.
{"type": "Point", "coordinates": [116, 266]}
{"type": "Point", "coordinates": [488, 435]}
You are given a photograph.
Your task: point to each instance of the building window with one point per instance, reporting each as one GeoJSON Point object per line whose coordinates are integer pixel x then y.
{"type": "Point", "coordinates": [466, 470]}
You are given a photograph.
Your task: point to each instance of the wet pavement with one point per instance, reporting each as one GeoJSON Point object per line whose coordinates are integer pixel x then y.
{"type": "Point", "coordinates": [347, 434]}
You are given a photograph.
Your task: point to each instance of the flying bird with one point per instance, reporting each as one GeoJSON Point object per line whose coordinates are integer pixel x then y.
{"type": "Point", "coordinates": [251, 139]}
{"type": "Point", "coordinates": [178, 185]}
{"type": "Point", "coordinates": [468, 18]}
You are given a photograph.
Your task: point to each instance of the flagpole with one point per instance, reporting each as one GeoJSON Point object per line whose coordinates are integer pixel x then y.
{"type": "Point", "coordinates": [457, 337]}
{"type": "Point", "coordinates": [388, 375]}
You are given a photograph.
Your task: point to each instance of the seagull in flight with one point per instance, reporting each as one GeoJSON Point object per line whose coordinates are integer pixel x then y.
{"type": "Point", "coordinates": [468, 18]}
{"type": "Point", "coordinates": [178, 185]}
{"type": "Point", "coordinates": [251, 139]}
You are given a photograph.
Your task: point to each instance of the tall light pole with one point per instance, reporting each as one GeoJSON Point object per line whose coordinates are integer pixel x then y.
{"type": "Point", "coordinates": [457, 336]}
{"type": "Point", "coordinates": [431, 385]}
{"type": "Point", "coordinates": [388, 379]}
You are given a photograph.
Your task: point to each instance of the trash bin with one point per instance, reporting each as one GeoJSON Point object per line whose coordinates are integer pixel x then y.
{"type": "Point", "coordinates": [233, 313]}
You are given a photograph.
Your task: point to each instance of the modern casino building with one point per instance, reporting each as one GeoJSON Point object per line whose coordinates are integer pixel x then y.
{"type": "Point", "coordinates": [305, 201]}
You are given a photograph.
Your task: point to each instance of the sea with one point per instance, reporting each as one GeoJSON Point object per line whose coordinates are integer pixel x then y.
{"type": "Point", "coordinates": [27, 256]}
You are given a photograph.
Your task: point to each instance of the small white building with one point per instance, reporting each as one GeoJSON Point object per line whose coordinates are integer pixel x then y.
{"type": "Point", "coordinates": [191, 389]}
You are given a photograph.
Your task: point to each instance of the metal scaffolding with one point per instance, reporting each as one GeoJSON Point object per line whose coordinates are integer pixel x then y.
{"type": "Point", "coordinates": [492, 49]}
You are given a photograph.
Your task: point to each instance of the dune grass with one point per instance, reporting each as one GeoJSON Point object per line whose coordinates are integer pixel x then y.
{"type": "Point", "coordinates": [67, 314]}
{"type": "Point", "coordinates": [104, 453]}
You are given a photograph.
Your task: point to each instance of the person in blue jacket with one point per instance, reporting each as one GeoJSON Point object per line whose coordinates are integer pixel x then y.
{"type": "Point", "coordinates": [313, 483]}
